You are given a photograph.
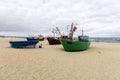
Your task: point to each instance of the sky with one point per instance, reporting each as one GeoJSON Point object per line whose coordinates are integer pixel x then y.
{"type": "Point", "coordinates": [99, 18]}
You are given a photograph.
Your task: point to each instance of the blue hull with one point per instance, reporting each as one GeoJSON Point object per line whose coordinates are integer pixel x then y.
{"type": "Point", "coordinates": [34, 39]}
{"type": "Point", "coordinates": [31, 38]}
{"type": "Point", "coordinates": [20, 44]}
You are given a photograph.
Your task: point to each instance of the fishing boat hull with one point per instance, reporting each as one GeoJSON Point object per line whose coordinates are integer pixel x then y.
{"type": "Point", "coordinates": [53, 41]}
{"type": "Point", "coordinates": [20, 44]}
{"type": "Point", "coordinates": [28, 38]}
{"type": "Point", "coordinates": [74, 45]}
{"type": "Point", "coordinates": [40, 39]}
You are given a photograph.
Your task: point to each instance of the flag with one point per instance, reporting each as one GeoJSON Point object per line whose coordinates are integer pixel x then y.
{"type": "Point", "coordinates": [74, 28]}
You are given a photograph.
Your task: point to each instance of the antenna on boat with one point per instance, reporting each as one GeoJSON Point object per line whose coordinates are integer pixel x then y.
{"type": "Point", "coordinates": [53, 31]}
{"type": "Point", "coordinates": [82, 31]}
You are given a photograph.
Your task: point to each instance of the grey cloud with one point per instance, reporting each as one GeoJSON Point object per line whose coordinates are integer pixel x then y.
{"type": "Point", "coordinates": [43, 15]}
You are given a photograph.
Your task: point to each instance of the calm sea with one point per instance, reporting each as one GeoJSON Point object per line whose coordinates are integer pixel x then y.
{"type": "Point", "coordinates": [106, 39]}
{"type": "Point", "coordinates": [93, 39]}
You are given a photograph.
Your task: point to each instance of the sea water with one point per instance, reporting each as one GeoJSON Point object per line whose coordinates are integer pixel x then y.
{"type": "Point", "coordinates": [103, 39]}
{"type": "Point", "coordinates": [106, 39]}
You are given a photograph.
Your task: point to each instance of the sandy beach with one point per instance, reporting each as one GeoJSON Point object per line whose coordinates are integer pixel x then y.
{"type": "Point", "coordinates": [100, 62]}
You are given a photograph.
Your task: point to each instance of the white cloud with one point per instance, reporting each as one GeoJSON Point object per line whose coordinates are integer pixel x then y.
{"type": "Point", "coordinates": [42, 15]}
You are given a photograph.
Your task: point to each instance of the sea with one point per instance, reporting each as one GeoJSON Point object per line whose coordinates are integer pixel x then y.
{"type": "Point", "coordinates": [92, 39]}
{"type": "Point", "coordinates": [105, 39]}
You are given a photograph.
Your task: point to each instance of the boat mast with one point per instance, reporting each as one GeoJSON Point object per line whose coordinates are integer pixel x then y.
{"type": "Point", "coordinates": [58, 31]}
{"type": "Point", "coordinates": [71, 32]}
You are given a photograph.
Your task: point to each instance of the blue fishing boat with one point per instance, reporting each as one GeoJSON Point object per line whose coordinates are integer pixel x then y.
{"type": "Point", "coordinates": [21, 44]}
{"type": "Point", "coordinates": [29, 38]}
{"type": "Point", "coordinates": [39, 37]}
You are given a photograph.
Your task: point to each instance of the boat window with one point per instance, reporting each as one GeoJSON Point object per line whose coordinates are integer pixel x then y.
{"type": "Point", "coordinates": [69, 42]}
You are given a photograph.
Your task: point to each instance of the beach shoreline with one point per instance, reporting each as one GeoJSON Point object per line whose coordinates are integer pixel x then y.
{"type": "Point", "coordinates": [100, 62]}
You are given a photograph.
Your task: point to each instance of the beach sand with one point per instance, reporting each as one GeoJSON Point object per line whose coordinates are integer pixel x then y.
{"type": "Point", "coordinates": [100, 62]}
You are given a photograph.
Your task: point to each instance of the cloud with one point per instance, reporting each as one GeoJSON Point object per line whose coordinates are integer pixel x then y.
{"type": "Point", "coordinates": [42, 15]}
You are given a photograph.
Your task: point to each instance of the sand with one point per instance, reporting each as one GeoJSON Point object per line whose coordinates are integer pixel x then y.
{"type": "Point", "coordinates": [100, 62]}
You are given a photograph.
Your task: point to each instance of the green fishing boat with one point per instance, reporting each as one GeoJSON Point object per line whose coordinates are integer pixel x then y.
{"type": "Point", "coordinates": [75, 45]}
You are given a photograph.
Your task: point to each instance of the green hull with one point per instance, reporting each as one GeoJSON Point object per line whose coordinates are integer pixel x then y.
{"type": "Point", "coordinates": [75, 45]}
